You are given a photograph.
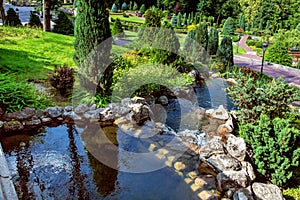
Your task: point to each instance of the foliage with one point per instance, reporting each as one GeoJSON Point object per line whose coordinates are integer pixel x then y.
{"type": "Point", "coordinates": [117, 29]}
{"type": "Point", "coordinates": [228, 27]}
{"type": "Point", "coordinates": [254, 43]}
{"type": "Point", "coordinates": [225, 52]}
{"type": "Point", "coordinates": [255, 96]}
{"type": "Point", "coordinates": [174, 20]}
{"type": "Point", "coordinates": [298, 27]}
{"type": "Point", "coordinates": [292, 193]}
{"type": "Point", "coordinates": [12, 19]}
{"type": "Point", "coordinates": [16, 95]}
{"type": "Point", "coordinates": [242, 22]}
{"type": "Point", "coordinates": [63, 24]}
{"type": "Point", "coordinates": [274, 142]}
{"type": "Point", "coordinates": [179, 19]}
{"type": "Point", "coordinates": [135, 6]}
{"type": "Point", "coordinates": [34, 21]}
{"type": "Point", "coordinates": [213, 41]}
{"type": "Point", "coordinates": [91, 29]}
{"type": "Point", "coordinates": [278, 54]}
{"type": "Point", "coordinates": [298, 64]}
{"type": "Point", "coordinates": [62, 79]}
{"type": "Point", "coordinates": [153, 18]}
{"type": "Point", "coordinates": [142, 9]}
{"type": "Point", "coordinates": [114, 8]}
{"type": "Point", "coordinates": [124, 6]}
{"type": "Point", "coordinates": [189, 41]}
{"type": "Point", "coordinates": [289, 38]}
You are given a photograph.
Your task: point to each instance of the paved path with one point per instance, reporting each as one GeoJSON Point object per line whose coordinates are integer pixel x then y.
{"type": "Point", "coordinates": [250, 59]}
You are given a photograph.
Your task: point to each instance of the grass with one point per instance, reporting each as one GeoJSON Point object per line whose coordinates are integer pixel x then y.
{"type": "Point", "coordinates": [240, 50]}
{"type": "Point", "coordinates": [134, 19]}
{"type": "Point", "coordinates": [32, 53]}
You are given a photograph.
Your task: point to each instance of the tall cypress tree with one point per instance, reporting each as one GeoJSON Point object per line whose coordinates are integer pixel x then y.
{"type": "Point", "coordinates": [12, 19]}
{"type": "Point", "coordinates": [91, 30]}
{"type": "Point", "coordinates": [213, 41]}
{"type": "Point", "coordinates": [228, 27]}
{"type": "Point", "coordinates": [225, 52]}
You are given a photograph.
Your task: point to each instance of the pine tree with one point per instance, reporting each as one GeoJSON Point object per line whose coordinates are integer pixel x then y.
{"type": "Point", "coordinates": [130, 5]}
{"type": "Point", "coordinates": [225, 52]}
{"type": "Point", "coordinates": [117, 29]}
{"type": "Point", "coordinates": [242, 22]}
{"type": "Point", "coordinates": [63, 24]}
{"type": "Point", "coordinates": [189, 41]}
{"type": "Point", "coordinates": [91, 30]}
{"type": "Point", "coordinates": [228, 27]}
{"type": "Point", "coordinates": [179, 17]}
{"type": "Point", "coordinates": [188, 20]}
{"type": "Point", "coordinates": [124, 6]}
{"type": "Point", "coordinates": [184, 20]}
{"type": "Point", "coordinates": [135, 6]}
{"type": "Point", "coordinates": [174, 20]}
{"type": "Point", "coordinates": [142, 9]}
{"type": "Point", "coordinates": [12, 19]}
{"type": "Point", "coordinates": [213, 41]}
{"type": "Point", "coordinates": [114, 8]}
{"type": "Point", "coordinates": [34, 21]}
{"type": "Point", "coordinates": [202, 35]}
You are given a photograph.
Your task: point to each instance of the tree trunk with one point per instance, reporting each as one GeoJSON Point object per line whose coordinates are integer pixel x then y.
{"type": "Point", "coordinates": [2, 11]}
{"type": "Point", "coordinates": [46, 14]}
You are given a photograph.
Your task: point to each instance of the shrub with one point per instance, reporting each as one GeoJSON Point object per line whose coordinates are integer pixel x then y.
{"type": "Point", "coordinates": [228, 27]}
{"type": "Point", "coordinates": [142, 9]}
{"type": "Point", "coordinates": [114, 8]}
{"type": "Point", "coordinates": [135, 6]}
{"type": "Point", "coordinates": [278, 54]}
{"type": "Point", "coordinates": [225, 52]}
{"type": "Point", "coordinates": [153, 18]}
{"type": "Point", "coordinates": [17, 95]}
{"type": "Point", "coordinates": [179, 19]}
{"type": "Point", "coordinates": [174, 20]}
{"type": "Point", "coordinates": [124, 6]}
{"type": "Point", "coordinates": [235, 38]}
{"type": "Point", "coordinates": [63, 24]}
{"type": "Point", "coordinates": [12, 19]}
{"type": "Point", "coordinates": [276, 153]}
{"type": "Point", "coordinates": [62, 79]}
{"type": "Point", "coordinates": [298, 27]}
{"type": "Point", "coordinates": [213, 41]}
{"type": "Point", "coordinates": [34, 21]}
{"type": "Point", "coordinates": [117, 29]}
{"type": "Point", "coordinates": [298, 64]}
{"type": "Point", "coordinates": [254, 96]}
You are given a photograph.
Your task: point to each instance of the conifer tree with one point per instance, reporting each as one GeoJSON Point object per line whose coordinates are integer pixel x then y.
{"type": "Point", "coordinates": [174, 20]}
{"type": "Point", "coordinates": [184, 19]}
{"type": "Point", "coordinates": [213, 41]}
{"type": "Point", "coordinates": [91, 30]}
{"type": "Point", "coordinates": [225, 52]}
{"type": "Point", "coordinates": [117, 28]}
{"type": "Point", "coordinates": [228, 27]}
{"type": "Point", "coordinates": [34, 21]}
{"type": "Point", "coordinates": [135, 6]}
{"type": "Point", "coordinates": [63, 24]}
{"type": "Point", "coordinates": [242, 22]}
{"type": "Point", "coordinates": [12, 19]}
{"type": "Point", "coordinates": [114, 8]}
{"type": "Point", "coordinates": [179, 18]}
{"type": "Point", "coordinates": [124, 6]}
{"type": "Point", "coordinates": [142, 9]}
{"type": "Point", "coordinates": [298, 27]}
{"type": "Point", "coordinates": [130, 5]}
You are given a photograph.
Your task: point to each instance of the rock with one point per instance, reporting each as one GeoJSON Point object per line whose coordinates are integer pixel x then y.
{"type": "Point", "coordinates": [209, 113]}
{"type": "Point", "coordinates": [46, 120]}
{"type": "Point", "coordinates": [215, 76]}
{"type": "Point", "coordinates": [81, 109]}
{"type": "Point", "coordinates": [126, 101]}
{"type": "Point", "coordinates": [236, 147]}
{"type": "Point", "coordinates": [163, 100]}
{"type": "Point", "coordinates": [71, 116]}
{"type": "Point", "coordinates": [13, 126]}
{"type": "Point", "coordinates": [54, 112]}
{"type": "Point", "coordinates": [23, 115]}
{"type": "Point", "coordinates": [139, 113]}
{"type": "Point", "coordinates": [207, 168]}
{"type": "Point", "coordinates": [93, 107]}
{"type": "Point", "coordinates": [248, 168]}
{"type": "Point", "coordinates": [223, 162]}
{"type": "Point", "coordinates": [120, 111]}
{"type": "Point", "coordinates": [231, 180]}
{"type": "Point", "coordinates": [139, 100]}
{"type": "Point", "coordinates": [266, 191]}
{"type": "Point", "coordinates": [229, 193]}
{"type": "Point", "coordinates": [231, 81]}
{"type": "Point", "coordinates": [95, 114]}
{"type": "Point", "coordinates": [33, 123]}
{"type": "Point", "coordinates": [1, 124]}
{"type": "Point", "coordinates": [107, 115]}
{"type": "Point", "coordinates": [68, 108]}
{"type": "Point", "coordinates": [221, 113]}
{"type": "Point", "coordinates": [212, 147]}
{"type": "Point", "coordinates": [223, 129]}
{"type": "Point", "coordinates": [243, 194]}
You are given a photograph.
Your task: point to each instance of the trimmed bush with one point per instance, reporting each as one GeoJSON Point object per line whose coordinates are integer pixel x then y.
{"type": "Point", "coordinates": [12, 19]}
{"type": "Point", "coordinates": [278, 54]}
{"type": "Point", "coordinates": [228, 27]}
{"type": "Point", "coordinates": [142, 9]}
{"type": "Point", "coordinates": [114, 8]}
{"type": "Point", "coordinates": [179, 18]}
{"type": "Point", "coordinates": [63, 24]}
{"type": "Point", "coordinates": [225, 53]}
{"type": "Point", "coordinates": [124, 6]}
{"type": "Point", "coordinates": [34, 21]}
{"type": "Point", "coordinates": [298, 27]}
{"type": "Point", "coordinates": [135, 6]}
{"type": "Point", "coordinates": [174, 20]}
{"type": "Point", "coordinates": [213, 42]}
{"type": "Point", "coordinates": [117, 29]}
{"type": "Point", "coordinates": [62, 79]}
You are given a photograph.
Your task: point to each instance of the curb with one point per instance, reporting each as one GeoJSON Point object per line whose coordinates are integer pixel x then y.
{"type": "Point", "coordinates": [7, 188]}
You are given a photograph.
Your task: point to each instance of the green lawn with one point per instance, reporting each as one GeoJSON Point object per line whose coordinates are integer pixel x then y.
{"type": "Point", "coordinates": [128, 19]}
{"type": "Point", "coordinates": [31, 53]}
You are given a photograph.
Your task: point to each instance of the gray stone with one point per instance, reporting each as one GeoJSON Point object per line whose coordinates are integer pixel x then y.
{"type": "Point", "coordinates": [71, 115]}
{"type": "Point", "coordinates": [126, 101]}
{"type": "Point", "coordinates": [95, 114]}
{"type": "Point", "coordinates": [139, 100]}
{"type": "Point", "coordinates": [243, 194]}
{"type": "Point", "coordinates": [232, 180]}
{"type": "Point", "coordinates": [248, 168]}
{"type": "Point", "coordinates": [231, 81]}
{"type": "Point", "coordinates": [46, 120]}
{"type": "Point", "coordinates": [54, 112]}
{"type": "Point", "coordinates": [139, 113]}
{"type": "Point", "coordinates": [163, 100]}
{"type": "Point", "coordinates": [13, 126]}
{"type": "Point", "coordinates": [68, 108]}
{"type": "Point", "coordinates": [93, 107]}
{"type": "Point", "coordinates": [1, 124]}
{"type": "Point", "coordinates": [81, 109]}
{"type": "Point", "coordinates": [212, 147]}
{"type": "Point", "coordinates": [33, 123]}
{"type": "Point", "coordinates": [266, 191]}
{"type": "Point", "coordinates": [23, 115]}
{"type": "Point", "coordinates": [236, 147]}
{"type": "Point", "coordinates": [221, 113]}
{"type": "Point", "coordinates": [224, 162]}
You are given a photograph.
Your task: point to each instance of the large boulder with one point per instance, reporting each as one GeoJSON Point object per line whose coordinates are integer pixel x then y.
{"type": "Point", "coordinates": [232, 180]}
{"type": "Point", "coordinates": [224, 162]}
{"type": "Point", "coordinates": [212, 147]}
{"type": "Point", "coordinates": [248, 168]}
{"type": "Point", "coordinates": [23, 115]}
{"type": "Point", "coordinates": [266, 191]}
{"type": "Point", "coordinates": [236, 147]}
{"type": "Point", "coordinates": [13, 126]}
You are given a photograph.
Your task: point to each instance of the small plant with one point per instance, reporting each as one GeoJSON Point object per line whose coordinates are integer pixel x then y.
{"type": "Point", "coordinates": [34, 21]}
{"type": "Point", "coordinates": [62, 79]}
{"type": "Point", "coordinates": [114, 8]}
{"type": "Point", "coordinates": [118, 29]}
{"type": "Point", "coordinates": [12, 19]}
